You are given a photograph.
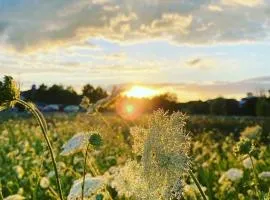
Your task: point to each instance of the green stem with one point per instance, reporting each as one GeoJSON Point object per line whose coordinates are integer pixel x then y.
{"type": "Point", "coordinates": [255, 176]}
{"type": "Point", "coordinates": [84, 168]}
{"type": "Point", "coordinates": [41, 122]}
{"type": "Point", "coordinates": [197, 184]}
{"type": "Point", "coordinates": [1, 195]}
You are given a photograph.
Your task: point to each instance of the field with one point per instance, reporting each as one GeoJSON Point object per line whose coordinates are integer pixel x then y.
{"type": "Point", "coordinates": [26, 167]}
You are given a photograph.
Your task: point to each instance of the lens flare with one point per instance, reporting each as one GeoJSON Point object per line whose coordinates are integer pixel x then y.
{"type": "Point", "coordinates": [129, 110]}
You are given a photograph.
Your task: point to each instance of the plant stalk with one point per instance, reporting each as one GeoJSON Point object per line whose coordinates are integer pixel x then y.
{"type": "Point", "coordinates": [42, 124]}
{"type": "Point", "coordinates": [197, 184]}
{"type": "Point", "coordinates": [255, 176]}
{"type": "Point", "coordinates": [84, 168]}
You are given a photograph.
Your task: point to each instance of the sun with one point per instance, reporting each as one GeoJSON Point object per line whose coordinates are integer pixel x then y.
{"type": "Point", "coordinates": [141, 92]}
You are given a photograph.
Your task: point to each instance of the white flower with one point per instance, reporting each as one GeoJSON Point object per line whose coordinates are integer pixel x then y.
{"type": "Point", "coordinates": [191, 191]}
{"type": "Point", "coordinates": [19, 171]}
{"type": "Point", "coordinates": [252, 132]}
{"type": "Point", "coordinates": [165, 154]}
{"type": "Point", "coordinates": [139, 135]}
{"type": "Point", "coordinates": [51, 174]}
{"type": "Point", "coordinates": [129, 181]}
{"type": "Point", "coordinates": [44, 182]}
{"type": "Point", "coordinates": [76, 144]}
{"type": "Point", "coordinates": [265, 175]}
{"type": "Point", "coordinates": [232, 174]}
{"type": "Point", "coordinates": [247, 163]}
{"type": "Point", "coordinates": [14, 197]}
{"type": "Point", "coordinates": [91, 187]}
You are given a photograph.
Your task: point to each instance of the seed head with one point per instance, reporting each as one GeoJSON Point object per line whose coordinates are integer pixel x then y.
{"type": "Point", "coordinates": [8, 92]}
{"type": "Point", "coordinates": [165, 154]}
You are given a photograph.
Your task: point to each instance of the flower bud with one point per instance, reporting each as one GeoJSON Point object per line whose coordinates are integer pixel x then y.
{"type": "Point", "coordinates": [95, 140]}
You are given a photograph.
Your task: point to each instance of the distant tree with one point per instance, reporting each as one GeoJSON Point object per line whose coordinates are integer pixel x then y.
{"type": "Point", "coordinates": [250, 94]}
{"type": "Point", "coordinates": [263, 107]}
{"type": "Point", "coordinates": [248, 107]}
{"type": "Point", "coordinates": [167, 101]}
{"type": "Point", "coordinates": [218, 106]}
{"type": "Point", "coordinates": [232, 107]}
{"type": "Point", "coordinates": [94, 94]}
{"type": "Point", "coordinates": [195, 107]}
{"type": "Point", "coordinates": [56, 94]}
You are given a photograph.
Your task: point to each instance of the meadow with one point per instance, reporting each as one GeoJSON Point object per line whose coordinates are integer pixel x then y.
{"type": "Point", "coordinates": [26, 169]}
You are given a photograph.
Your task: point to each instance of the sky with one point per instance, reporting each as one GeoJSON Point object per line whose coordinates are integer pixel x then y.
{"type": "Point", "coordinates": [197, 49]}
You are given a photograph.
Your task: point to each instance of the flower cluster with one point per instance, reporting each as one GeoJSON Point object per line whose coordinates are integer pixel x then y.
{"type": "Point", "coordinates": [80, 141]}
{"type": "Point", "coordinates": [92, 186]}
{"type": "Point", "coordinates": [163, 148]}
{"type": "Point", "coordinates": [165, 154]}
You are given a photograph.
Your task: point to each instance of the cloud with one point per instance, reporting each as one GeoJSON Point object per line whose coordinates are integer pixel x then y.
{"type": "Point", "coordinates": [201, 63]}
{"type": "Point", "coordinates": [249, 3]}
{"type": "Point", "coordinates": [27, 24]}
{"type": "Point", "coordinates": [215, 8]}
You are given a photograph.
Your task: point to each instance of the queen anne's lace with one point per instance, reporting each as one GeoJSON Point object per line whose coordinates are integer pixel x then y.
{"type": "Point", "coordinates": [91, 187]}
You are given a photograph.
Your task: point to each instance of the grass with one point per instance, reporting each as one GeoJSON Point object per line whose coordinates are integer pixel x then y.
{"type": "Point", "coordinates": [24, 159]}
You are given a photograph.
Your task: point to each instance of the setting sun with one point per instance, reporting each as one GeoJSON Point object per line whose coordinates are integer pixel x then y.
{"type": "Point", "coordinates": [141, 92]}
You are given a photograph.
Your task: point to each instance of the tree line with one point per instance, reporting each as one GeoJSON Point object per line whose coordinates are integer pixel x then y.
{"type": "Point", "coordinates": [58, 94]}
{"type": "Point", "coordinates": [248, 106]}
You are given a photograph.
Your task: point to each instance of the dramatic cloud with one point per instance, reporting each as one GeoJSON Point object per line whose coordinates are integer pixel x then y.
{"type": "Point", "coordinates": [30, 24]}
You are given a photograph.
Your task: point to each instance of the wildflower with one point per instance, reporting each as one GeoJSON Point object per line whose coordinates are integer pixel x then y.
{"type": "Point", "coordinates": [91, 187]}
{"type": "Point", "coordinates": [79, 143]}
{"type": "Point", "coordinates": [265, 175]}
{"type": "Point", "coordinates": [176, 191]}
{"type": "Point", "coordinates": [51, 174]}
{"type": "Point", "coordinates": [44, 182]}
{"type": "Point", "coordinates": [129, 181]}
{"type": "Point", "coordinates": [232, 174]}
{"type": "Point", "coordinates": [190, 191]}
{"type": "Point", "coordinates": [14, 197]}
{"type": "Point", "coordinates": [165, 154]}
{"type": "Point", "coordinates": [20, 191]}
{"type": "Point", "coordinates": [139, 135]}
{"type": "Point", "coordinates": [252, 132]}
{"type": "Point", "coordinates": [244, 146]}
{"type": "Point", "coordinates": [247, 162]}
{"type": "Point", "coordinates": [85, 103]}
{"type": "Point", "coordinates": [19, 171]}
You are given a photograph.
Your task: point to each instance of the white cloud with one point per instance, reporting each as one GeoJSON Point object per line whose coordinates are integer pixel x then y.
{"type": "Point", "coordinates": [215, 8]}
{"type": "Point", "coordinates": [249, 3]}
{"type": "Point", "coordinates": [31, 24]}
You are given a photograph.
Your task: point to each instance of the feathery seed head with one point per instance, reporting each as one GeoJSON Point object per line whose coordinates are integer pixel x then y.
{"type": "Point", "coordinates": [165, 154]}
{"type": "Point", "coordinates": [8, 92]}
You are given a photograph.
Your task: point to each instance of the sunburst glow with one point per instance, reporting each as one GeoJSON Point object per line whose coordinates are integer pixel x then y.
{"type": "Point", "coordinates": [141, 92]}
